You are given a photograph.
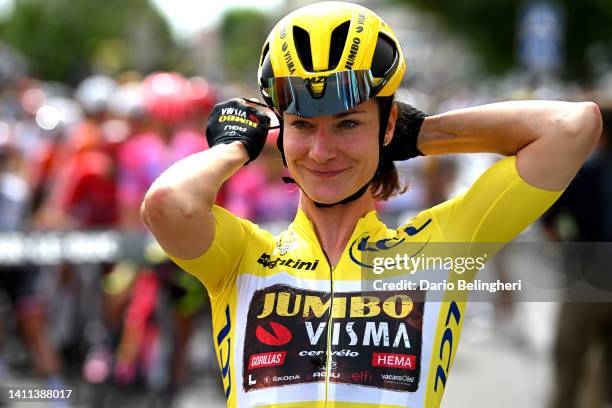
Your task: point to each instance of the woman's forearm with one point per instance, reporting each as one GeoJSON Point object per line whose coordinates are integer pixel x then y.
{"type": "Point", "coordinates": [195, 180]}
{"type": "Point", "coordinates": [177, 206]}
{"type": "Point", "coordinates": [550, 139]}
{"type": "Point", "coordinates": [504, 127]}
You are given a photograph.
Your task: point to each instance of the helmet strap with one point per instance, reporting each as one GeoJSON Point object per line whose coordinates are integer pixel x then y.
{"type": "Point", "coordinates": [352, 197]}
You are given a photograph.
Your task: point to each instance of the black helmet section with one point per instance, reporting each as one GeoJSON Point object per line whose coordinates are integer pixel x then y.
{"type": "Point", "coordinates": [266, 73]}
{"type": "Point", "coordinates": [279, 140]}
{"type": "Point", "coordinates": [384, 56]}
{"type": "Point", "coordinates": [301, 39]}
{"type": "Point", "coordinates": [303, 46]}
{"type": "Point", "coordinates": [338, 42]}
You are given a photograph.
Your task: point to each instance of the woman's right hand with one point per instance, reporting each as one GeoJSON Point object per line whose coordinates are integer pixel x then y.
{"type": "Point", "coordinates": [236, 120]}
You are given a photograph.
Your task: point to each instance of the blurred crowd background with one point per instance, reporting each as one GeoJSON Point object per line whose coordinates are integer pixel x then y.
{"type": "Point", "coordinates": [98, 98]}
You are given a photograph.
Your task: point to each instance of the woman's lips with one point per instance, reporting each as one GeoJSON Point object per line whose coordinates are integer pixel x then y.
{"type": "Point", "coordinates": [325, 173]}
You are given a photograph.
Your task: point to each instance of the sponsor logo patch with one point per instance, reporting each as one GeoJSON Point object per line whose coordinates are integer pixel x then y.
{"type": "Point", "coordinates": [267, 359]}
{"type": "Point", "coordinates": [271, 263]}
{"type": "Point", "coordinates": [401, 361]}
{"type": "Point", "coordinates": [275, 335]}
{"type": "Point", "coordinates": [303, 336]}
{"type": "Point", "coordinates": [362, 244]}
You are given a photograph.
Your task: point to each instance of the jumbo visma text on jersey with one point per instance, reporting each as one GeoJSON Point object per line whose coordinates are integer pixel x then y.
{"type": "Point", "coordinates": [375, 334]}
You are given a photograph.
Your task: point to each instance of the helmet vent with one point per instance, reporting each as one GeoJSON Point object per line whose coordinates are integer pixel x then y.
{"type": "Point", "coordinates": [266, 71]}
{"type": "Point", "coordinates": [302, 45]}
{"type": "Point", "coordinates": [384, 55]}
{"type": "Point", "coordinates": [338, 41]}
{"type": "Point", "coordinates": [264, 53]}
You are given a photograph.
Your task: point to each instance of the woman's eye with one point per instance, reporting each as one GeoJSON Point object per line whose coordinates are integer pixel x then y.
{"type": "Point", "coordinates": [348, 124]}
{"type": "Point", "coordinates": [300, 124]}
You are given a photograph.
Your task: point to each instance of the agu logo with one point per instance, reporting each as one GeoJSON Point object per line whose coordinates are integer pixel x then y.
{"type": "Point", "coordinates": [274, 335]}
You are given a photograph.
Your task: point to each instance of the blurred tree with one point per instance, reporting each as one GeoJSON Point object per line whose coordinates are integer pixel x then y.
{"type": "Point", "coordinates": [64, 40]}
{"type": "Point", "coordinates": [243, 32]}
{"type": "Point", "coordinates": [487, 26]}
{"type": "Point", "coordinates": [490, 27]}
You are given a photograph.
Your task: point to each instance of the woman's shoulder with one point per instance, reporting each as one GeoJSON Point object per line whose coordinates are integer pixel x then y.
{"type": "Point", "coordinates": [227, 220]}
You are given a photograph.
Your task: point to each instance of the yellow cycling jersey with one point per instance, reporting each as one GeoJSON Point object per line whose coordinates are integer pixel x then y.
{"type": "Point", "coordinates": [291, 331]}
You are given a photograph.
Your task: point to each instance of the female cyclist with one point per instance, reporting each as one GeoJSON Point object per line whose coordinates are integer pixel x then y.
{"type": "Point", "coordinates": [295, 323]}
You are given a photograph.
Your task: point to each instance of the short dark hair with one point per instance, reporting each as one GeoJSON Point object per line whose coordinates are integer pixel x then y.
{"type": "Point", "coordinates": [387, 182]}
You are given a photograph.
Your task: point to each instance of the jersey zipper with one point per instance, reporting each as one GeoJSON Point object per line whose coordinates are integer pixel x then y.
{"type": "Point", "coordinates": [331, 307]}
{"type": "Point", "coordinates": [329, 330]}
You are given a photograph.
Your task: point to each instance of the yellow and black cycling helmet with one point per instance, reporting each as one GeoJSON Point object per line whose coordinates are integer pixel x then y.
{"type": "Point", "coordinates": [326, 58]}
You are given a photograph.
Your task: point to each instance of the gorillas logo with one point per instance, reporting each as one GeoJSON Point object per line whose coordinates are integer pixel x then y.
{"type": "Point", "coordinates": [277, 335]}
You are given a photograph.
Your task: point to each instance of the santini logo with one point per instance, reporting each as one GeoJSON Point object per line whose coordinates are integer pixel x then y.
{"type": "Point", "coordinates": [271, 263]}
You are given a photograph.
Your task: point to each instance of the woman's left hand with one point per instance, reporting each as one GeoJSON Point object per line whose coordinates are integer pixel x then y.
{"type": "Point", "coordinates": [403, 145]}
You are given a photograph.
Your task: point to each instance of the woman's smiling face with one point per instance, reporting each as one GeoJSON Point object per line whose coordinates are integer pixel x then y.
{"type": "Point", "coordinates": [332, 156]}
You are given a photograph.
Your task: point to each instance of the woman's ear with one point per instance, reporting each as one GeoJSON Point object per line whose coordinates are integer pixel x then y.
{"type": "Point", "coordinates": [391, 124]}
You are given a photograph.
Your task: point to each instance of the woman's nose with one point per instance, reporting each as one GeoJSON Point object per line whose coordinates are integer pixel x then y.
{"type": "Point", "coordinates": [323, 148]}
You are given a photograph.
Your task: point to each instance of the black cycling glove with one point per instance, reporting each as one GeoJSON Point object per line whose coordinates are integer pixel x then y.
{"type": "Point", "coordinates": [403, 146]}
{"type": "Point", "coordinates": [235, 121]}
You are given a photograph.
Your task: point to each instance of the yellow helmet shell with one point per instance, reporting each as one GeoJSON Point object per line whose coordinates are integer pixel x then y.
{"type": "Point", "coordinates": [320, 39]}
